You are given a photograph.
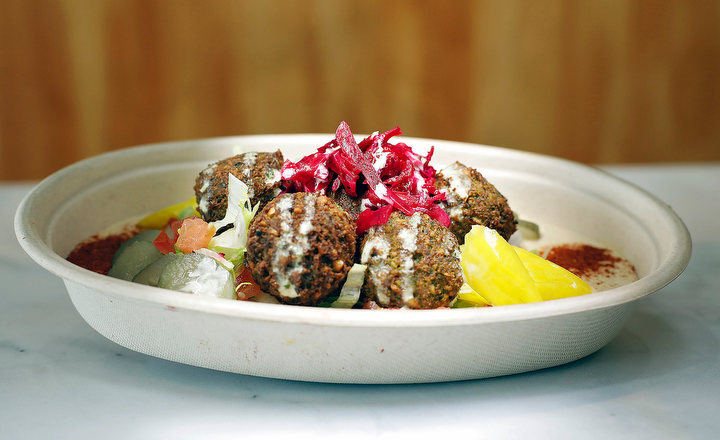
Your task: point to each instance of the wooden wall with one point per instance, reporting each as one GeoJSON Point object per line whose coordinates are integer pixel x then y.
{"type": "Point", "coordinates": [595, 81]}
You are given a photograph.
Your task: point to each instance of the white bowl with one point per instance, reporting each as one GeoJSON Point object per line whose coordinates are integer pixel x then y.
{"type": "Point", "coordinates": [352, 346]}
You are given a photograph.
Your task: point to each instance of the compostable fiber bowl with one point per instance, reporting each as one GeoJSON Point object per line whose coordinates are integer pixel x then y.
{"type": "Point", "coordinates": [570, 200]}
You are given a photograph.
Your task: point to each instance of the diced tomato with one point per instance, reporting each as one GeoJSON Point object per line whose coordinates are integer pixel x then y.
{"type": "Point", "coordinates": [194, 233]}
{"type": "Point", "coordinates": [171, 229]}
{"type": "Point", "coordinates": [247, 285]}
{"type": "Point", "coordinates": [163, 243]}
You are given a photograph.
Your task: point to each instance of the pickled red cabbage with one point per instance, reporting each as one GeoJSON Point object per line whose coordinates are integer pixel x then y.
{"type": "Point", "coordinates": [386, 176]}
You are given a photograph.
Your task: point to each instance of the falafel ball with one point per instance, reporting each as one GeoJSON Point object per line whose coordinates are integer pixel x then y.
{"type": "Point", "coordinates": [350, 204]}
{"type": "Point", "coordinates": [259, 171]}
{"type": "Point", "coordinates": [472, 200]}
{"type": "Point", "coordinates": [300, 248]}
{"type": "Point", "coordinates": [412, 262]}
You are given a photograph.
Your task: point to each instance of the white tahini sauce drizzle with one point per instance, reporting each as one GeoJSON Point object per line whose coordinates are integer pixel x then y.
{"type": "Point", "coordinates": [248, 164]}
{"type": "Point", "coordinates": [408, 239]}
{"type": "Point", "coordinates": [376, 251]}
{"type": "Point", "coordinates": [381, 190]}
{"type": "Point", "coordinates": [306, 224]}
{"type": "Point", "coordinates": [377, 268]}
{"type": "Point", "coordinates": [460, 185]}
{"type": "Point", "coordinates": [322, 172]}
{"type": "Point", "coordinates": [205, 195]}
{"type": "Point", "coordinates": [273, 178]}
{"type": "Point", "coordinates": [292, 245]}
{"type": "Point", "coordinates": [419, 181]}
{"type": "Point", "coordinates": [285, 286]}
{"type": "Point", "coordinates": [455, 212]}
{"type": "Point", "coordinates": [365, 203]}
{"type": "Point", "coordinates": [458, 180]}
{"type": "Point", "coordinates": [381, 157]}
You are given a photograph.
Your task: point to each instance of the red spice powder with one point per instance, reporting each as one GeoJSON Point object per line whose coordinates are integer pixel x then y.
{"type": "Point", "coordinates": [96, 253]}
{"type": "Point", "coordinates": [582, 259]}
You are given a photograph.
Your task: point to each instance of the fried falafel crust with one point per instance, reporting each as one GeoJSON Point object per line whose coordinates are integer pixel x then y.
{"type": "Point", "coordinates": [260, 171]}
{"type": "Point", "coordinates": [412, 262]}
{"type": "Point", "coordinates": [301, 247]}
{"type": "Point", "coordinates": [350, 204]}
{"type": "Point", "coordinates": [472, 200]}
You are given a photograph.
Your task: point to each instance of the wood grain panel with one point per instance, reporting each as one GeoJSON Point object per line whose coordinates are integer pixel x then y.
{"type": "Point", "coordinates": [595, 81]}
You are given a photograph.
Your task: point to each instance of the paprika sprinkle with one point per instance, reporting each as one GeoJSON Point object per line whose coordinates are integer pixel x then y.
{"type": "Point", "coordinates": [601, 268]}
{"type": "Point", "coordinates": [96, 253]}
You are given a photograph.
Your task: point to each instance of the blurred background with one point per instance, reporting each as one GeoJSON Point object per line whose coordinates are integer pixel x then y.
{"type": "Point", "coordinates": [595, 81]}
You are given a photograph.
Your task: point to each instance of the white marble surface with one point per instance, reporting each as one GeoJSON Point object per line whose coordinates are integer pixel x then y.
{"type": "Point", "coordinates": [660, 379]}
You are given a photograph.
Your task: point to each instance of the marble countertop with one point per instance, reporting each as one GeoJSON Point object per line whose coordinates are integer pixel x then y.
{"type": "Point", "coordinates": [660, 378]}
